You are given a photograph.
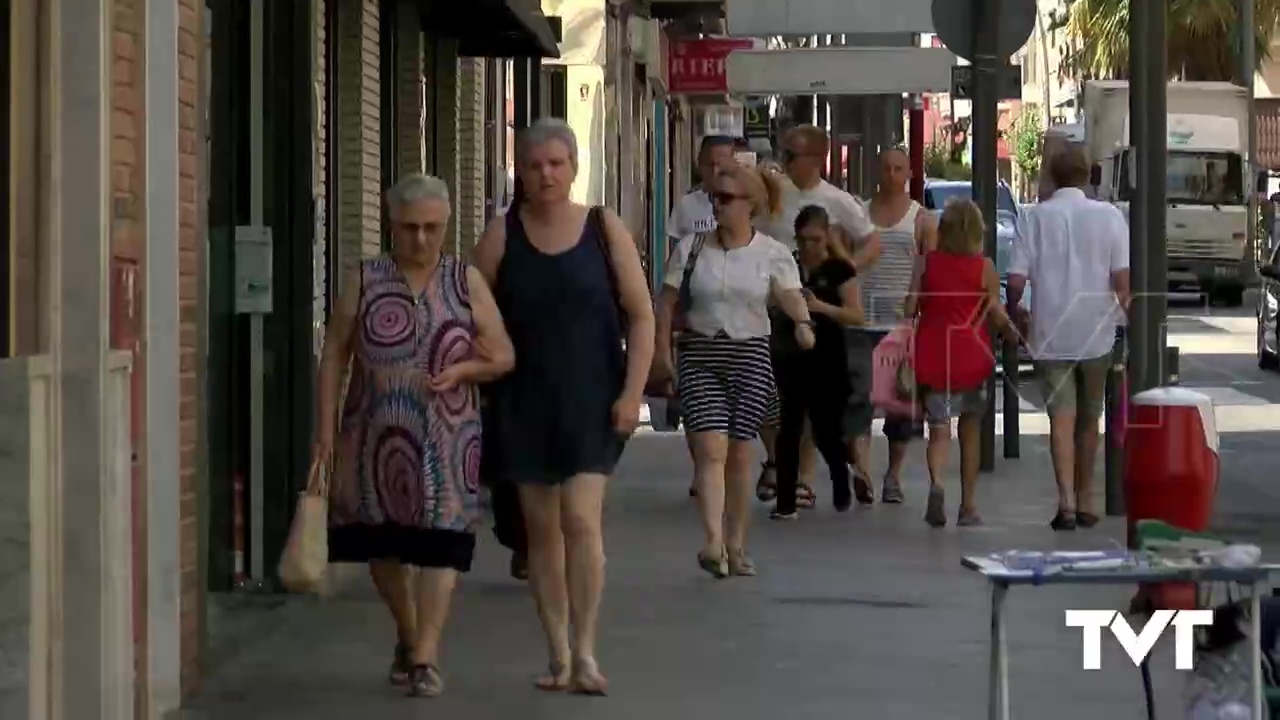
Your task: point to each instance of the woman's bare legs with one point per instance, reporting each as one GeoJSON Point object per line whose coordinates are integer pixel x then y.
{"type": "Point", "coordinates": [433, 593]}
{"type": "Point", "coordinates": [566, 572]}
{"type": "Point", "coordinates": [936, 455]}
{"type": "Point", "coordinates": [547, 577]}
{"type": "Point", "coordinates": [392, 581]}
{"type": "Point", "coordinates": [970, 431]}
{"type": "Point", "coordinates": [581, 510]}
{"type": "Point", "coordinates": [711, 451]}
{"type": "Point", "coordinates": [740, 458]}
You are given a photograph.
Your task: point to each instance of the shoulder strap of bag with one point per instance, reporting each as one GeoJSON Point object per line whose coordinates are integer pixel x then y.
{"type": "Point", "coordinates": [595, 222]}
{"type": "Point", "coordinates": [687, 276]}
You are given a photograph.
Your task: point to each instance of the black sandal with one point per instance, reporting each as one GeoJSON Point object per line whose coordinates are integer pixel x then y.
{"type": "Point", "coordinates": [862, 490]}
{"type": "Point", "coordinates": [1063, 520]}
{"type": "Point", "coordinates": [401, 666]}
{"type": "Point", "coordinates": [1086, 520]}
{"type": "Point", "coordinates": [765, 490]}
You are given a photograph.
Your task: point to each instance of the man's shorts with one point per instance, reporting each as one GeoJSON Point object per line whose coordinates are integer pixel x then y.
{"type": "Point", "coordinates": [860, 344]}
{"type": "Point", "coordinates": [1077, 386]}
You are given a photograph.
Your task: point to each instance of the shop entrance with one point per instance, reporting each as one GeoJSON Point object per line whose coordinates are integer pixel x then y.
{"type": "Point", "coordinates": [260, 205]}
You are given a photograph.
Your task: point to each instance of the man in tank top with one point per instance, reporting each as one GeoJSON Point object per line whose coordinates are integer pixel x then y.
{"type": "Point", "coordinates": [906, 231]}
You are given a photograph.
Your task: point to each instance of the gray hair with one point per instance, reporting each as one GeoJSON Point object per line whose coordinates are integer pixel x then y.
{"type": "Point", "coordinates": [543, 131]}
{"type": "Point", "coordinates": [415, 187]}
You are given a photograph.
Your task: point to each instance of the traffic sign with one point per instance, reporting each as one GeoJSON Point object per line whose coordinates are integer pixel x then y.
{"type": "Point", "coordinates": [953, 21]}
{"type": "Point", "coordinates": [1008, 82]}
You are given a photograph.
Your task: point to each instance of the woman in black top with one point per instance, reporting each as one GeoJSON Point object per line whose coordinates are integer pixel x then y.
{"type": "Point", "coordinates": [815, 383]}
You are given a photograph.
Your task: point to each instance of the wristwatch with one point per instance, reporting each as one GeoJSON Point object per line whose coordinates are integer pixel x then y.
{"type": "Point", "coordinates": [806, 323]}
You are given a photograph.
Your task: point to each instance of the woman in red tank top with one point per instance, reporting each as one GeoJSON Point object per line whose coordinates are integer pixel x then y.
{"type": "Point", "coordinates": [955, 296]}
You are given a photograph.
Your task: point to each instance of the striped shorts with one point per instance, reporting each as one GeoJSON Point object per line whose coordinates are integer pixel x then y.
{"type": "Point", "coordinates": [725, 384]}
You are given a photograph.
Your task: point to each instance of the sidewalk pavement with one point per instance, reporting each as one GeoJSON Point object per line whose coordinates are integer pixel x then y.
{"type": "Point", "coordinates": [861, 615]}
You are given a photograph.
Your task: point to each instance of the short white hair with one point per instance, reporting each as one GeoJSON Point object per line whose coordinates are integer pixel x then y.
{"type": "Point", "coordinates": [545, 130]}
{"type": "Point", "coordinates": [413, 188]}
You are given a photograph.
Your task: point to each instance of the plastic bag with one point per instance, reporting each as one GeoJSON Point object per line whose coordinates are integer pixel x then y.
{"type": "Point", "coordinates": [890, 361]}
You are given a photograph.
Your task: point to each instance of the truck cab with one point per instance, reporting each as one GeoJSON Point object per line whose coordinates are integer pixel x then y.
{"type": "Point", "coordinates": [1207, 180]}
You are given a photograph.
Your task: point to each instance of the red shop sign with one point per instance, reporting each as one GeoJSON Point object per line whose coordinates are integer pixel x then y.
{"type": "Point", "coordinates": [697, 66]}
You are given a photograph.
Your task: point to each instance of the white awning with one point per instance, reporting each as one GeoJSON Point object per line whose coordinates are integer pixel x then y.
{"type": "Point", "coordinates": [827, 17]}
{"type": "Point", "coordinates": [839, 71]}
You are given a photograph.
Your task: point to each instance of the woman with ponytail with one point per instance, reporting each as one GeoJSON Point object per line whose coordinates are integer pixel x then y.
{"type": "Point", "coordinates": [724, 282]}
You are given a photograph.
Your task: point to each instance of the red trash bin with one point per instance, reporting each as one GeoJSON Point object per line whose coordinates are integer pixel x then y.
{"type": "Point", "coordinates": [1171, 469]}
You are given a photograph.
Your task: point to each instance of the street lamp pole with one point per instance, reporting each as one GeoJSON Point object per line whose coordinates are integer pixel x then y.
{"type": "Point", "coordinates": [986, 64]}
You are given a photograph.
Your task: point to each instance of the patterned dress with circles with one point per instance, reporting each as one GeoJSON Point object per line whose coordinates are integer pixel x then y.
{"type": "Point", "coordinates": [407, 472]}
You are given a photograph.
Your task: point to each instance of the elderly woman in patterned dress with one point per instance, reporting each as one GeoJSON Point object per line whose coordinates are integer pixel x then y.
{"type": "Point", "coordinates": [419, 329]}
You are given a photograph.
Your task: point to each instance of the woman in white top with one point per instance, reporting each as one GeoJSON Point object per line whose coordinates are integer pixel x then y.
{"type": "Point", "coordinates": [726, 378]}
{"type": "Point", "coordinates": [906, 232]}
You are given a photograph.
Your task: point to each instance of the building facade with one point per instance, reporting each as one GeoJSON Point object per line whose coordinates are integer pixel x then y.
{"type": "Point", "coordinates": [185, 184]}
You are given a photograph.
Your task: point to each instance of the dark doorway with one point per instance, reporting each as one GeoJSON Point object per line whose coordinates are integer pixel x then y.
{"type": "Point", "coordinates": [290, 212]}
{"type": "Point", "coordinates": [6, 244]}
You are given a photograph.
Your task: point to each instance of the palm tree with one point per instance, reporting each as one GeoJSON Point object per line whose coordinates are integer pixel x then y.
{"type": "Point", "coordinates": [1202, 35]}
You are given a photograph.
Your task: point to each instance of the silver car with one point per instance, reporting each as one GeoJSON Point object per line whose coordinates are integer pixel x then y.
{"type": "Point", "coordinates": [1268, 309]}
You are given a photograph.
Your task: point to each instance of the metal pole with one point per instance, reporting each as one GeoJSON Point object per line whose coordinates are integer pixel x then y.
{"type": "Point", "coordinates": [1248, 63]}
{"type": "Point", "coordinates": [257, 365]}
{"type": "Point", "coordinates": [985, 66]}
{"type": "Point", "coordinates": [916, 147]}
{"type": "Point", "coordinates": [1155, 311]}
{"type": "Point", "coordinates": [1130, 380]}
{"type": "Point", "coordinates": [1113, 450]}
{"type": "Point", "coordinates": [1143, 356]}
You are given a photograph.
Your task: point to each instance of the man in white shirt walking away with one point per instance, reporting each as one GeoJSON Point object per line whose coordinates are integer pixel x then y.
{"type": "Point", "coordinates": [907, 232]}
{"type": "Point", "coordinates": [804, 154]}
{"type": "Point", "coordinates": [1075, 251]}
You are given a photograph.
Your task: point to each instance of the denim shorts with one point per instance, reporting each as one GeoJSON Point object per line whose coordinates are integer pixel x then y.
{"type": "Point", "coordinates": [942, 407]}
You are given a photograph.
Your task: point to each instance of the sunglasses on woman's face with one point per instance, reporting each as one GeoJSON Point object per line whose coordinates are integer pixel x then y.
{"type": "Point", "coordinates": [724, 198]}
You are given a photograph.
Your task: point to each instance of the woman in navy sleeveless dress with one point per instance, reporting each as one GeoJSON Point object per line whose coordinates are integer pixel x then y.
{"type": "Point", "coordinates": [570, 286]}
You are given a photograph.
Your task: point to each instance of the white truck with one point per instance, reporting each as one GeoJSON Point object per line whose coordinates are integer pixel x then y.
{"type": "Point", "coordinates": [1207, 182]}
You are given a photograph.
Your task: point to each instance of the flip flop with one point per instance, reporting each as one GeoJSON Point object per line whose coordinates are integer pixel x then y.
{"type": "Point", "coordinates": [556, 679]}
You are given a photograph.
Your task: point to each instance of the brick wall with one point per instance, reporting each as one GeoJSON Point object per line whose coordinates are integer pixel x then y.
{"type": "Point", "coordinates": [359, 96]}
{"type": "Point", "coordinates": [128, 213]}
{"type": "Point", "coordinates": [468, 207]}
{"type": "Point", "coordinates": [191, 238]}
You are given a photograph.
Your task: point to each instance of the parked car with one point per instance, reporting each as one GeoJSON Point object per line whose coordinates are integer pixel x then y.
{"type": "Point", "coordinates": [936, 195]}
{"type": "Point", "coordinates": [1269, 312]}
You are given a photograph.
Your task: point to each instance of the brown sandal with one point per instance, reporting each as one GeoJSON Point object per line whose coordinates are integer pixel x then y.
{"type": "Point", "coordinates": [717, 566]}
{"type": "Point", "coordinates": [587, 679]}
{"type": "Point", "coordinates": [740, 564]}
